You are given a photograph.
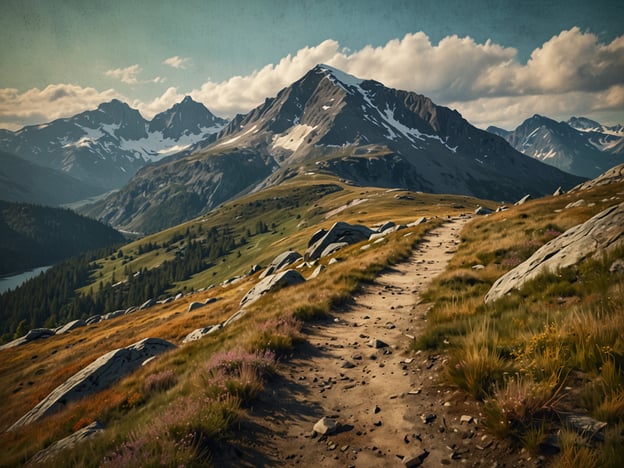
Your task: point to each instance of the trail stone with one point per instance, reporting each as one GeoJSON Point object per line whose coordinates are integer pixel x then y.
{"type": "Point", "coordinates": [411, 461]}
{"type": "Point", "coordinates": [376, 343]}
{"type": "Point", "coordinates": [68, 442]}
{"type": "Point", "coordinates": [272, 283]}
{"type": "Point", "coordinates": [326, 426]}
{"type": "Point", "coordinates": [97, 376]}
{"type": "Point", "coordinates": [603, 232]}
{"type": "Point", "coordinates": [340, 232]}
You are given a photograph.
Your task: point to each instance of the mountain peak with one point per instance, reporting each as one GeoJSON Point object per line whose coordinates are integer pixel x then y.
{"type": "Point", "coordinates": [188, 100]}
{"type": "Point", "coordinates": [337, 75]}
{"type": "Point", "coordinates": [114, 105]}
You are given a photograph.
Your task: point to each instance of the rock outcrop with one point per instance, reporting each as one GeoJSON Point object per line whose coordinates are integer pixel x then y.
{"type": "Point", "coordinates": [71, 326]}
{"type": "Point", "coordinates": [340, 232]}
{"type": "Point", "coordinates": [200, 333]}
{"type": "Point", "coordinates": [68, 442]}
{"type": "Point", "coordinates": [97, 376]}
{"type": "Point", "coordinates": [272, 283]}
{"type": "Point", "coordinates": [280, 262]}
{"type": "Point", "coordinates": [34, 334]}
{"type": "Point", "coordinates": [599, 234]}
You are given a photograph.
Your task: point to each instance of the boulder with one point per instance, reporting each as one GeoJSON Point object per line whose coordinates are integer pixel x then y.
{"type": "Point", "coordinates": [272, 283]}
{"type": "Point", "coordinates": [70, 326]}
{"type": "Point", "coordinates": [93, 319]}
{"type": "Point", "coordinates": [385, 226]}
{"type": "Point", "coordinates": [147, 304]}
{"type": "Point", "coordinates": [178, 296]}
{"type": "Point", "coordinates": [254, 269]}
{"type": "Point", "coordinates": [97, 376]}
{"type": "Point", "coordinates": [333, 248]}
{"type": "Point", "coordinates": [68, 442]}
{"type": "Point", "coordinates": [576, 204]}
{"type": "Point", "coordinates": [112, 315]}
{"type": "Point", "coordinates": [558, 192]}
{"type": "Point", "coordinates": [131, 310]}
{"type": "Point", "coordinates": [317, 271]}
{"type": "Point", "coordinates": [601, 233]}
{"type": "Point", "coordinates": [340, 232]}
{"type": "Point", "coordinates": [523, 200]}
{"type": "Point", "coordinates": [482, 211]}
{"type": "Point", "coordinates": [200, 333]}
{"type": "Point", "coordinates": [418, 221]}
{"type": "Point", "coordinates": [34, 334]}
{"type": "Point", "coordinates": [234, 317]}
{"type": "Point", "coordinates": [280, 262]}
{"type": "Point", "coordinates": [195, 305]}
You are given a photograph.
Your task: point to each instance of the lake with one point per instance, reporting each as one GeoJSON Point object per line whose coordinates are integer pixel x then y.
{"type": "Point", "coordinates": [12, 282]}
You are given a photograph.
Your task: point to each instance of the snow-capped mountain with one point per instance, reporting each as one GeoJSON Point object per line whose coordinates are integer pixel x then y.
{"type": "Point", "coordinates": [579, 146]}
{"type": "Point", "coordinates": [105, 147]}
{"type": "Point", "coordinates": [356, 129]}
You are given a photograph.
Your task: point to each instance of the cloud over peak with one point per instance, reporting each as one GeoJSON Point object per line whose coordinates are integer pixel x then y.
{"type": "Point", "coordinates": [572, 73]}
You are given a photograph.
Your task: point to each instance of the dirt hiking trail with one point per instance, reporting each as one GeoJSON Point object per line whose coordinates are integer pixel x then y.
{"type": "Point", "coordinates": [389, 405]}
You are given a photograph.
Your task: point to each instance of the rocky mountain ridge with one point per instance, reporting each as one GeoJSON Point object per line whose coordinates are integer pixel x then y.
{"type": "Point", "coordinates": [355, 129]}
{"type": "Point", "coordinates": [579, 146]}
{"type": "Point", "coordinates": [105, 147]}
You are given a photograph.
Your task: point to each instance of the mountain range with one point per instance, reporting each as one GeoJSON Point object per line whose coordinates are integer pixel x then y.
{"type": "Point", "coordinates": [579, 146]}
{"type": "Point", "coordinates": [104, 148]}
{"type": "Point", "coordinates": [331, 122]}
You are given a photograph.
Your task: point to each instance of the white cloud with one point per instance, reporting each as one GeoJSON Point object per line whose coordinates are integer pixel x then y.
{"type": "Point", "coordinates": [572, 73]}
{"type": "Point", "coordinates": [127, 75]}
{"type": "Point", "coordinates": [178, 62]}
{"type": "Point", "coordinates": [53, 102]}
{"type": "Point", "coordinates": [130, 75]}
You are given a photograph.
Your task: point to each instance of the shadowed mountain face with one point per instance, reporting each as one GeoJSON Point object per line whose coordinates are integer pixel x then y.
{"type": "Point", "coordinates": [356, 129]}
{"type": "Point", "coordinates": [105, 147]}
{"type": "Point", "coordinates": [579, 146]}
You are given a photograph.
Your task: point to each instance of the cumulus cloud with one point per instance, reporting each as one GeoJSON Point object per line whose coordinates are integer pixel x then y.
{"type": "Point", "coordinates": [130, 75]}
{"type": "Point", "coordinates": [571, 73]}
{"type": "Point", "coordinates": [53, 102]}
{"type": "Point", "coordinates": [178, 62]}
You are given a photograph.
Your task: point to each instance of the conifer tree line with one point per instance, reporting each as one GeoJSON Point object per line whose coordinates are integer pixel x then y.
{"type": "Point", "coordinates": [50, 299]}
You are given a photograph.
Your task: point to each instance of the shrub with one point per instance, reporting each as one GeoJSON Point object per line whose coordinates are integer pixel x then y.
{"type": "Point", "coordinates": [160, 382]}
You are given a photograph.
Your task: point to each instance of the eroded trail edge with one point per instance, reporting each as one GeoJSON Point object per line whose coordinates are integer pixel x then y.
{"type": "Point", "coordinates": [357, 370]}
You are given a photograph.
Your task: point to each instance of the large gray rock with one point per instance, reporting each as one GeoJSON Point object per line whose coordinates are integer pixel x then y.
{"type": "Point", "coordinates": [34, 334]}
{"type": "Point", "coordinates": [68, 442]}
{"type": "Point", "coordinates": [339, 232]}
{"type": "Point", "coordinates": [280, 262]}
{"type": "Point", "coordinates": [333, 248]}
{"type": "Point", "coordinates": [97, 376]}
{"type": "Point", "coordinates": [272, 283]}
{"type": "Point", "coordinates": [599, 234]}
{"type": "Point", "coordinates": [71, 326]}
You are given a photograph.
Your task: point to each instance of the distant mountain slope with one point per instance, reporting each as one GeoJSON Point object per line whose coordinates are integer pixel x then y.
{"type": "Point", "coordinates": [33, 235]}
{"type": "Point", "coordinates": [105, 147]}
{"type": "Point", "coordinates": [331, 121]}
{"type": "Point", "coordinates": [579, 146]}
{"type": "Point", "coordinates": [24, 181]}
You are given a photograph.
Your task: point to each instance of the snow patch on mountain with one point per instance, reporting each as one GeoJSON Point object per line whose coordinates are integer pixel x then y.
{"type": "Point", "coordinates": [293, 138]}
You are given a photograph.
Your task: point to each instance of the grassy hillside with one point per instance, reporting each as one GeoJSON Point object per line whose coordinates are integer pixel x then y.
{"type": "Point", "coordinates": [553, 348]}
{"type": "Point", "coordinates": [271, 222]}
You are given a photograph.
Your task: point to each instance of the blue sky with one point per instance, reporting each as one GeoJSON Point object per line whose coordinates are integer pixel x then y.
{"type": "Point", "coordinates": [61, 57]}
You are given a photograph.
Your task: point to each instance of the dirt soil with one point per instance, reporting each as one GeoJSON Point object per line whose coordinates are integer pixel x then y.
{"type": "Point", "coordinates": [389, 404]}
